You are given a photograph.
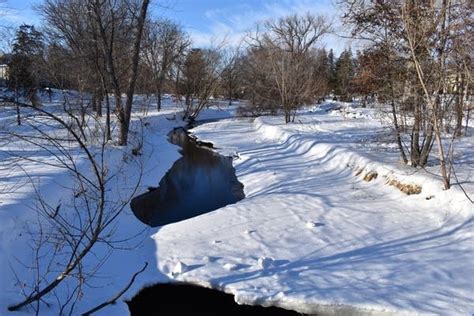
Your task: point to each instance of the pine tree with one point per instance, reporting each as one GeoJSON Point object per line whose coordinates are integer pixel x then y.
{"type": "Point", "coordinates": [332, 72]}
{"type": "Point", "coordinates": [344, 75]}
{"type": "Point", "coordinates": [22, 75]}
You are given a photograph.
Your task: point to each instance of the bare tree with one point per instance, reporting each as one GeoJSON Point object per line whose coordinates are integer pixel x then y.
{"type": "Point", "coordinates": [199, 80]}
{"type": "Point", "coordinates": [232, 71]}
{"type": "Point", "coordinates": [164, 43]}
{"type": "Point", "coordinates": [286, 44]}
{"type": "Point", "coordinates": [429, 29]}
{"type": "Point", "coordinates": [66, 233]}
{"type": "Point", "coordinates": [108, 17]}
{"type": "Point", "coordinates": [74, 59]}
{"type": "Point", "coordinates": [379, 24]}
{"type": "Point", "coordinates": [416, 45]}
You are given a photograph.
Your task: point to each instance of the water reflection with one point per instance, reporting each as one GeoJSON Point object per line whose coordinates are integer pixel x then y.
{"type": "Point", "coordinates": [199, 182]}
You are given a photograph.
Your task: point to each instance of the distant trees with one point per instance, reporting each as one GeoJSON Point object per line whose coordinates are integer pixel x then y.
{"type": "Point", "coordinates": [200, 74]}
{"type": "Point", "coordinates": [165, 44]}
{"type": "Point", "coordinates": [286, 61]}
{"type": "Point", "coordinates": [321, 74]}
{"type": "Point", "coordinates": [231, 76]}
{"type": "Point", "coordinates": [331, 71]}
{"type": "Point", "coordinates": [344, 75]}
{"type": "Point", "coordinates": [27, 51]}
{"type": "Point", "coordinates": [366, 78]}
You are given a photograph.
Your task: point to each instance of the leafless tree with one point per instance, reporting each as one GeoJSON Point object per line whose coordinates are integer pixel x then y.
{"type": "Point", "coordinates": [66, 234]}
{"type": "Point", "coordinates": [378, 23]}
{"type": "Point", "coordinates": [108, 16]}
{"type": "Point", "coordinates": [286, 44]}
{"type": "Point", "coordinates": [199, 81]}
{"type": "Point", "coordinates": [231, 77]}
{"type": "Point", "coordinates": [415, 43]}
{"type": "Point", "coordinates": [164, 44]}
{"type": "Point", "coordinates": [430, 29]}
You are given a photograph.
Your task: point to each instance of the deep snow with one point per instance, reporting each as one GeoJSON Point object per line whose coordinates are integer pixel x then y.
{"type": "Point", "coordinates": [315, 237]}
{"type": "Point", "coordinates": [18, 198]}
{"type": "Point", "coordinates": [311, 234]}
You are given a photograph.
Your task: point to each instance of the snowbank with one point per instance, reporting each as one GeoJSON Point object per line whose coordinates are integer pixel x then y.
{"type": "Point", "coordinates": [18, 201]}
{"type": "Point", "coordinates": [313, 236]}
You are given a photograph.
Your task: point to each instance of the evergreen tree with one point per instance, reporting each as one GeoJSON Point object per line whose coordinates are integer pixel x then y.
{"type": "Point", "coordinates": [344, 75]}
{"type": "Point", "coordinates": [331, 72]}
{"type": "Point", "coordinates": [23, 76]}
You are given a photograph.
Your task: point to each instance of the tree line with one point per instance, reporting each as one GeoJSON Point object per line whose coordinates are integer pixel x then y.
{"type": "Point", "coordinates": [416, 67]}
{"type": "Point", "coordinates": [86, 46]}
{"type": "Point", "coordinates": [417, 59]}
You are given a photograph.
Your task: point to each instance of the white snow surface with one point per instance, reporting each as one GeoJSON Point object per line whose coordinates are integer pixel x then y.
{"type": "Point", "coordinates": [18, 200]}
{"type": "Point", "coordinates": [314, 237]}
{"type": "Point", "coordinates": [311, 234]}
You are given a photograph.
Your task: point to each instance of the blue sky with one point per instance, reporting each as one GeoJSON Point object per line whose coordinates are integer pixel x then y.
{"type": "Point", "coordinates": [207, 21]}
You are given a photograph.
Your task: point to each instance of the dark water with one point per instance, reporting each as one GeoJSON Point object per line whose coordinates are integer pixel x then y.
{"type": "Point", "coordinates": [183, 299]}
{"type": "Point", "coordinates": [199, 182]}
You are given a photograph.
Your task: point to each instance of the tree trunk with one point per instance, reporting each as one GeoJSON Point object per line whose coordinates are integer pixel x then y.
{"type": "Point", "coordinates": [100, 98]}
{"type": "Point", "coordinates": [468, 114]}
{"type": "Point", "coordinates": [158, 97]}
{"type": "Point", "coordinates": [397, 133]}
{"type": "Point", "coordinates": [427, 145]}
{"type": "Point", "coordinates": [125, 125]}
{"type": "Point", "coordinates": [415, 137]}
{"type": "Point", "coordinates": [107, 117]}
{"type": "Point", "coordinates": [459, 106]}
{"type": "Point", "coordinates": [94, 101]}
{"type": "Point", "coordinates": [18, 117]}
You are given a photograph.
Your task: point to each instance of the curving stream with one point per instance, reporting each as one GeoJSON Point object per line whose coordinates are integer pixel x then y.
{"type": "Point", "coordinates": [199, 182]}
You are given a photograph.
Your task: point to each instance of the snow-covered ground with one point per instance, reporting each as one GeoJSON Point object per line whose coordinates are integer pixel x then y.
{"type": "Point", "coordinates": [18, 200]}
{"type": "Point", "coordinates": [311, 234]}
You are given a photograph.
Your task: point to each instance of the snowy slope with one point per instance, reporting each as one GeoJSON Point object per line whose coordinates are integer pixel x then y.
{"type": "Point", "coordinates": [18, 200]}
{"type": "Point", "coordinates": [313, 236]}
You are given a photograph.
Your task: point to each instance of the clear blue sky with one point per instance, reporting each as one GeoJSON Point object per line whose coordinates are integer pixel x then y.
{"type": "Point", "coordinates": [206, 20]}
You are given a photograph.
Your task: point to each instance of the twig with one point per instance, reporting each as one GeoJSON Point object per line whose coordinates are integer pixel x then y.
{"type": "Point", "coordinates": [116, 297]}
{"type": "Point", "coordinates": [460, 185]}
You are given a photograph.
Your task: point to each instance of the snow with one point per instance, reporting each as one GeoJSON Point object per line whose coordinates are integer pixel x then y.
{"type": "Point", "coordinates": [18, 198]}
{"type": "Point", "coordinates": [311, 235]}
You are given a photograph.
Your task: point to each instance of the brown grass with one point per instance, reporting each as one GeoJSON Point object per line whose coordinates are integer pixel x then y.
{"type": "Point", "coordinates": [359, 171]}
{"type": "Point", "coordinates": [407, 188]}
{"type": "Point", "coordinates": [370, 176]}
{"type": "Point", "coordinates": [404, 187]}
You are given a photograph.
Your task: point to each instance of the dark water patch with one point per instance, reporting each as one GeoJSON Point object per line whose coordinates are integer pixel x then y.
{"type": "Point", "coordinates": [184, 299]}
{"type": "Point", "coordinates": [199, 182]}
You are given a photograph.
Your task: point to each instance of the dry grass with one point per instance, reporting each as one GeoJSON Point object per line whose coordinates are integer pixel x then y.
{"type": "Point", "coordinates": [370, 176]}
{"type": "Point", "coordinates": [404, 187]}
{"type": "Point", "coordinates": [407, 188]}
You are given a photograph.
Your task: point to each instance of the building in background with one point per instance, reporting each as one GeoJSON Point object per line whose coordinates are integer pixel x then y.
{"type": "Point", "coordinates": [3, 74]}
{"type": "Point", "coordinates": [3, 71]}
